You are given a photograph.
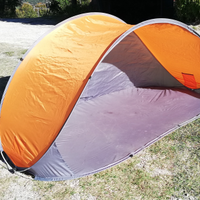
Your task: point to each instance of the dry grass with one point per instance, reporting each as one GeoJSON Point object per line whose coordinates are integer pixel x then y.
{"type": "Point", "coordinates": [9, 57]}
{"type": "Point", "coordinates": [169, 168]}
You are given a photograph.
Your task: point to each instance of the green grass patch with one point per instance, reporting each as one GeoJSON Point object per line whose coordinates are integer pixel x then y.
{"type": "Point", "coordinates": [9, 58]}
{"type": "Point", "coordinates": [11, 53]}
{"type": "Point", "coordinates": [168, 168]}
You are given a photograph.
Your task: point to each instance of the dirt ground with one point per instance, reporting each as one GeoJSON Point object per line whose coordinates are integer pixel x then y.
{"type": "Point", "coordinates": [15, 38]}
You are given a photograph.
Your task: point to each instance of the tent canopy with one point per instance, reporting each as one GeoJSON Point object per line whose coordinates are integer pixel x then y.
{"type": "Point", "coordinates": [95, 90]}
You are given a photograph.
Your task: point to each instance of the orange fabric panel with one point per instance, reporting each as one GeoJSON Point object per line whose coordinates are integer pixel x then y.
{"type": "Point", "coordinates": [190, 81]}
{"type": "Point", "coordinates": [48, 83]}
{"type": "Point", "coordinates": [175, 48]}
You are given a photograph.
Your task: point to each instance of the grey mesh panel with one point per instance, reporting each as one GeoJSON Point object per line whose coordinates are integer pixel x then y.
{"type": "Point", "coordinates": [132, 57]}
{"type": "Point", "coordinates": [51, 166]}
{"type": "Point", "coordinates": [129, 63]}
{"type": "Point", "coordinates": [106, 79]}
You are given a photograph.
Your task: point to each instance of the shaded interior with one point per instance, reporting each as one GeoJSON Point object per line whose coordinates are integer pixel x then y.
{"type": "Point", "coordinates": [3, 83]}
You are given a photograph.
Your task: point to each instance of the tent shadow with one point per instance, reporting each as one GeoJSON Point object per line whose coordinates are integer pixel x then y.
{"type": "Point", "coordinates": [32, 21]}
{"type": "Point", "coordinates": [3, 83]}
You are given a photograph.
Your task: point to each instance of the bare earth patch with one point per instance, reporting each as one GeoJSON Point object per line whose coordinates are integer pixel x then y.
{"type": "Point", "coordinates": [166, 170]}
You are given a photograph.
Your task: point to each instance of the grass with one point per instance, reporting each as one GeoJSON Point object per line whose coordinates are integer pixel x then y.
{"type": "Point", "coordinates": [168, 169]}
{"type": "Point", "coordinates": [9, 57]}
{"type": "Point", "coordinates": [181, 153]}
{"type": "Point", "coordinates": [195, 28]}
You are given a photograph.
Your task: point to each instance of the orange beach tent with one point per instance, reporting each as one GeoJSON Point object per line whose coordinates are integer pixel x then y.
{"type": "Point", "coordinates": [94, 91]}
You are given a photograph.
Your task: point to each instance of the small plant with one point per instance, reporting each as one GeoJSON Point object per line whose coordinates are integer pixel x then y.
{"type": "Point", "coordinates": [41, 9]}
{"type": "Point", "coordinates": [9, 53]}
{"type": "Point", "coordinates": [194, 27]}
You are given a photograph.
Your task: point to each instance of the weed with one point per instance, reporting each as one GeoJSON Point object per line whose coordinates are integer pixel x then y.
{"type": "Point", "coordinates": [11, 53]}
{"type": "Point", "coordinates": [9, 58]}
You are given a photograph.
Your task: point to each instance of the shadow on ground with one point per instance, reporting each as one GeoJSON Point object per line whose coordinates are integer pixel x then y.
{"type": "Point", "coordinates": [3, 82]}
{"type": "Point", "coordinates": [32, 21]}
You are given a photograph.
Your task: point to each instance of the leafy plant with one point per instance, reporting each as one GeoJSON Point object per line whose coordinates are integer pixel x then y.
{"type": "Point", "coordinates": [26, 11]}
{"type": "Point", "coordinates": [66, 8]}
{"type": "Point", "coordinates": [7, 7]}
{"type": "Point", "coordinates": [188, 10]}
{"type": "Point", "coordinates": [41, 9]}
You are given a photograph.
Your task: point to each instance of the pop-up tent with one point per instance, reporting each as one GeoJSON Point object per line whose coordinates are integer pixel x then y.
{"type": "Point", "coordinates": [94, 91]}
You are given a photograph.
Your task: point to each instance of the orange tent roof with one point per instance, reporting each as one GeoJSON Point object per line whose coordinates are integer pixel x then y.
{"type": "Point", "coordinates": [66, 56]}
